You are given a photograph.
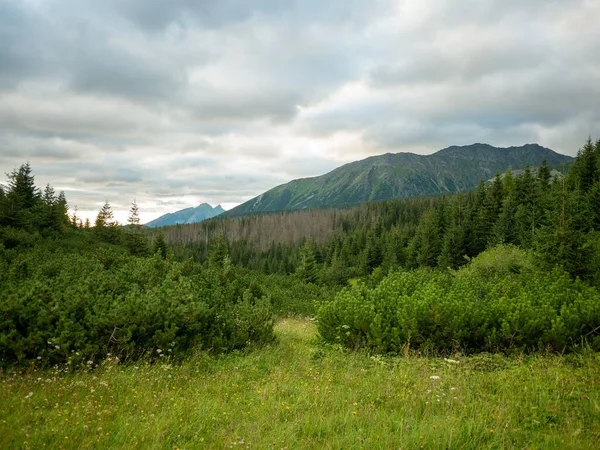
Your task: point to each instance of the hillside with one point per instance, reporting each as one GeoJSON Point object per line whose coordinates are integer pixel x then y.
{"type": "Point", "coordinates": [400, 175]}
{"type": "Point", "coordinates": [188, 215]}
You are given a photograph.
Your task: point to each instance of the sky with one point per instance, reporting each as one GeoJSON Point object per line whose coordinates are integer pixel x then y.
{"type": "Point", "coordinates": [189, 101]}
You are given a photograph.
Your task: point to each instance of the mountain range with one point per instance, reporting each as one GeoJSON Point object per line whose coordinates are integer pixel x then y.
{"type": "Point", "coordinates": [400, 175]}
{"type": "Point", "coordinates": [189, 215]}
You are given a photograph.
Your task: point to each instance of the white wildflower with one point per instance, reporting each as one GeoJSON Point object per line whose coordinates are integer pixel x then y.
{"type": "Point", "coordinates": [434, 377]}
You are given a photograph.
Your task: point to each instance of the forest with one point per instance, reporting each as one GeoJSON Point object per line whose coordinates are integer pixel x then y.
{"type": "Point", "coordinates": [513, 265]}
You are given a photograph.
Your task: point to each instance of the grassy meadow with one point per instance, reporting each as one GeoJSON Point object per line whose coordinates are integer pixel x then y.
{"type": "Point", "coordinates": [301, 393]}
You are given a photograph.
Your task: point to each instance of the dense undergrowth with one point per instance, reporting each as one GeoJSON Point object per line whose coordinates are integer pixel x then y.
{"type": "Point", "coordinates": [60, 305]}
{"type": "Point", "coordinates": [503, 300]}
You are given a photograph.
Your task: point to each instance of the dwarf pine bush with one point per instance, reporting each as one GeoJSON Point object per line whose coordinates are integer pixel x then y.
{"type": "Point", "coordinates": [57, 306]}
{"type": "Point", "coordinates": [501, 301]}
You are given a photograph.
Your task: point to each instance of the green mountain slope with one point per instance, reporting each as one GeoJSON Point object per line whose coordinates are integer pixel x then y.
{"type": "Point", "coordinates": [400, 175]}
{"type": "Point", "coordinates": [188, 215]}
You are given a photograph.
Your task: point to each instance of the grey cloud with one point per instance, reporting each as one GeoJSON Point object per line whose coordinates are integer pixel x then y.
{"type": "Point", "coordinates": [185, 101]}
{"type": "Point", "coordinates": [155, 15]}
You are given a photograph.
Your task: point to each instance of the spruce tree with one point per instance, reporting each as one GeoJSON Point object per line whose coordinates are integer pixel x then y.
{"type": "Point", "coordinates": [160, 246]}
{"type": "Point", "coordinates": [307, 266]}
{"type": "Point", "coordinates": [136, 242]}
{"type": "Point", "coordinates": [20, 199]}
{"type": "Point", "coordinates": [544, 175]}
{"type": "Point", "coordinates": [106, 227]}
{"type": "Point", "coordinates": [134, 216]}
{"type": "Point", "coordinates": [589, 173]}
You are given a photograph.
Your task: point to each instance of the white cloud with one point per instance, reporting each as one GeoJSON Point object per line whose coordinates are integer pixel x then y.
{"type": "Point", "coordinates": [183, 102]}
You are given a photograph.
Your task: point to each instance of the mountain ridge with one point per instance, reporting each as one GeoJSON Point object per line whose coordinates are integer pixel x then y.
{"type": "Point", "coordinates": [399, 175]}
{"type": "Point", "coordinates": [196, 214]}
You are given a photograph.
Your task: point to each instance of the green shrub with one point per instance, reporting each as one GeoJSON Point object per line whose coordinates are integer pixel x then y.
{"type": "Point", "coordinates": [502, 300]}
{"type": "Point", "coordinates": [57, 306]}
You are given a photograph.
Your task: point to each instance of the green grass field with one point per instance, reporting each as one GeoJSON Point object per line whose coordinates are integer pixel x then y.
{"type": "Point", "coordinates": [298, 393]}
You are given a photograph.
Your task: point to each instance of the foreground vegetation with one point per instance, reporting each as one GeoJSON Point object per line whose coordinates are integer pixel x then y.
{"type": "Point", "coordinates": [300, 393]}
{"type": "Point", "coordinates": [504, 300]}
{"type": "Point", "coordinates": [109, 341]}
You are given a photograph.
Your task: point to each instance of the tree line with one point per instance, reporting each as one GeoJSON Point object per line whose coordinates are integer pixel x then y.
{"type": "Point", "coordinates": [557, 215]}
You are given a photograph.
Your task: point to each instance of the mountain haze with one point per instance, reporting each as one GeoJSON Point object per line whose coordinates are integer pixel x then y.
{"type": "Point", "coordinates": [188, 215]}
{"type": "Point", "coordinates": [399, 175]}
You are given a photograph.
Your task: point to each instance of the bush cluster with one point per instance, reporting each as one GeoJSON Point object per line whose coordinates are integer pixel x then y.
{"type": "Point", "coordinates": [57, 306]}
{"type": "Point", "coordinates": [502, 300]}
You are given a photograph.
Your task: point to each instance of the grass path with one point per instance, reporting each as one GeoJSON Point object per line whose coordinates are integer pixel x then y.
{"type": "Point", "coordinates": [298, 393]}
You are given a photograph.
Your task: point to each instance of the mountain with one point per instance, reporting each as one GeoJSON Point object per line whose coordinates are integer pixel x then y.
{"type": "Point", "coordinates": [188, 215]}
{"type": "Point", "coordinates": [534, 171]}
{"type": "Point", "coordinates": [399, 175]}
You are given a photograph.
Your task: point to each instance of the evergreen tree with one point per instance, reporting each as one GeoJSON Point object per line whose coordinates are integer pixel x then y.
{"type": "Point", "coordinates": [21, 198]}
{"type": "Point", "coordinates": [219, 253]}
{"type": "Point", "coordinates": [307, 266]}
{"type": "Point", "coordinates": [136, 242]}
{"type": "Point", "coordinates": [134, 216]}
{"type": "Point", "coordinates": [504, 230]}
{"type": "Point", "coordinates": [589, 172]}
{"type": "Point", "coordinates": [430, 245]}
{"type": "Point", "coordinates": [105, 217]}
{"type": "Point", "coordinates": [373, 255]}
{"type": "Point", "coordinates": [544, 175]}
{"type": "Point", "coordinates": [106, 227]}
{"type": "Point", "coordinates": [61, 212]}
{"type": "Point", "coordinates": [454, 248]}
{"type": "Point", "coordinates": [49, 195]}
{"type": "Point", "coordinates": [160, 246]}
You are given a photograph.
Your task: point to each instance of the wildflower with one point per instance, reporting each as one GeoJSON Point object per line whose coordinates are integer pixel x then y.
{"type": "Point", "coordinates": [158, 350]}
{"type": "Point", "coordinates": [29, 395]}
{"type": "Point", "coordinates": [39, 357]}
{"type": "Point", "coordinates": [434, 377]}
{"type": "Point", "coordinates": [451, 361]}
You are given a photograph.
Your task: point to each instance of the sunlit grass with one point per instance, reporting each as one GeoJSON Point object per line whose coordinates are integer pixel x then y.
{"type": "Point", "coordinates": [298, 393]}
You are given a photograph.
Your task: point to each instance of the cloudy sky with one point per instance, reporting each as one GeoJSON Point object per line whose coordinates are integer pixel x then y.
{"type": "Point", "coordinates": [180, 102]}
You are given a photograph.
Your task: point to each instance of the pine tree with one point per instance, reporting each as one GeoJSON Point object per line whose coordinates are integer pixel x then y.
{"type": "Point", "coordinates": [219, 252]}
{"type": "Point", "coordinates": [20, 199]}
{"type": "Point", "coordinates": [106, 226]}
{"type": "Point", "coordinates": [504, 230]}
{"type": "Point", "coordinates": [22, 187]}
{"type": "Point", "coordinates": [105, 217]}
{"type": "Point", "coordinates": [134, 216]}
{"type": "Point", "coordinates": [49, 196]}
{"type": "Point", "coordinates": [430, 245]}
{"type": "Point", "coordinates": [307, 266]}
{"type": "Point", "coordinates": [160, 246]}
{"type": "Point", "coordinates": [544, 175]}
{"type": "Point", "coordinates": [589, 173]}
{"type": "Point", "coordinates": [373, 254]}
{"type": "Point", "coordinates": [74, 219]}
{"type": "Point", "coordinates": [135, 241]}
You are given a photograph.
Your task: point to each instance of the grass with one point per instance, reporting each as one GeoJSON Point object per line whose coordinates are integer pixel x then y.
{"type": "Point", "coordinates": [298, 393]}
